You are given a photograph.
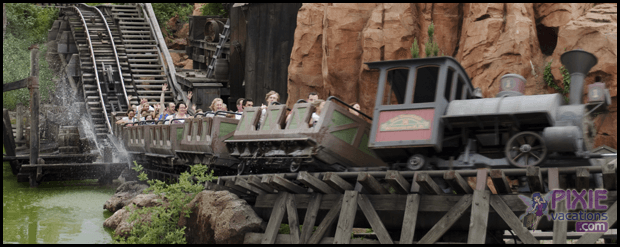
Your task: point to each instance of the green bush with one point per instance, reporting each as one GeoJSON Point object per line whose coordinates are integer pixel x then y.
{"type": "Point", "coordinates": [549, 80]}
{"type": "Point", "coordinates": [29, 22]}
{"type": "Point", "coordinates": [165, 11]}
{"type": "Point", "coordinates": [415, 51]}
{"type": "Point", "coordinates": [214, 9]}
{"type": "Point", "coordinates": [163, 228]}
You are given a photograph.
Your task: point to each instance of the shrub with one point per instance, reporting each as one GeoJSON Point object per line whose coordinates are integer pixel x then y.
{"type": "Point", "coordinates": [163, 228]}
{"type": "Point", "coordinates": [214, 9]}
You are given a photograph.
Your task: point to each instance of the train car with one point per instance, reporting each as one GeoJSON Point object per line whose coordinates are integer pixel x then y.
{"type": "Point", "coordinates": [174, 147]}
{"type": "Point", "coordinates": [429, 116]}
{"type": "Point", "coordinates": [337, 142]}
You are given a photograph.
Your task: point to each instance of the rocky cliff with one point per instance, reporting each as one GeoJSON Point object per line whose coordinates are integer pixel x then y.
{"type": "Point", "coordinates": [332, 42]}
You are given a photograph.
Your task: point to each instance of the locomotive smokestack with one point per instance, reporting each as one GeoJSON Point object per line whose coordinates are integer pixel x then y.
{"type": "Point", "coordinates": [578, 63]}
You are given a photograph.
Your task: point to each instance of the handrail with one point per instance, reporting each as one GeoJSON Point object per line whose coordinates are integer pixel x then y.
{"type": "Point", "coordinates": [150, 17]}
{"type": "Point", "coordinates": [118, 63]}
{"type": "Point", "coordinates": [92, 55]}
{"type": "Point", "coordinates": [300, 101]}
{"type": "Point", "coordinates": [350, 107]}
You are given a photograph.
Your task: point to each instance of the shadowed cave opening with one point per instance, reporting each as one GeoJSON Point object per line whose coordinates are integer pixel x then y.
{"type": "Point", "coordinates": [547, 38]}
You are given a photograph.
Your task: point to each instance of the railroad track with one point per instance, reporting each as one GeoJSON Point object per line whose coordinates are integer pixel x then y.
{"type": "Point", "coordinates": [118, 57]}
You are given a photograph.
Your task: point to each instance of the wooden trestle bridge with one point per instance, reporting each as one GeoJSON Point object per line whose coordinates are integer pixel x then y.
{"type": "Point", "coordinates": [416, 210]}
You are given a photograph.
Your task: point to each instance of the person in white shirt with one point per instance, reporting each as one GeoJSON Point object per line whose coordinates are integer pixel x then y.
{"type": "Point", "coordinates": [318, 104]}
{"type": "Point", "coordinates": [131, 117]}
{"type": "Point", "coordinates": [272, 96]}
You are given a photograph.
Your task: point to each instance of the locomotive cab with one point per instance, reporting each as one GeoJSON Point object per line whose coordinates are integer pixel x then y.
{"type": "Point", "coordinates": [412, 97]}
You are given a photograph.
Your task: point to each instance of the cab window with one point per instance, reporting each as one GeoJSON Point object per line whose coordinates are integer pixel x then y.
{"type": "Point", "coordinates": [395, 86]}
{"type": "Point", "coordinates": [425, 84]}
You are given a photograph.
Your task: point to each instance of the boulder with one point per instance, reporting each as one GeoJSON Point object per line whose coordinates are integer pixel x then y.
{"type": "Point", "coordinates": [124, 195]}
{"type": "Point", "coordinates": [118, 221]}
{"type": "Point", "coordinates": [219, 217]}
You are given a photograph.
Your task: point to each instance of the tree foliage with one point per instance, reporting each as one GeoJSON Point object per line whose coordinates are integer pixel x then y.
{"type": "Point", "coordinates": [162, 227]}
{"type": "Point", "coordinates": [214, 9]}
{"type": "Point", "coordinates": [27, 25]}
{"type": "Point", "coordinates": [549, 80]}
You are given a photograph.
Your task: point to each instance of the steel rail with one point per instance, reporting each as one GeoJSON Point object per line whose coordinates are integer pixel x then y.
{"type": "Point", "coordinates": [118, 63]}
{"type": "Point", "coordinates": [92, 55]}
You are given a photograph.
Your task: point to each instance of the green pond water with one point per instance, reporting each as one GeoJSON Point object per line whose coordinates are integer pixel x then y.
{"type": "Point", "coordinates": [54, 212]}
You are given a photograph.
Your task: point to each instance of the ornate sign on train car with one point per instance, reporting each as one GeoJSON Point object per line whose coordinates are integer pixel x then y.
{"type": "Point", "coordinates": [405, 122]}
{"type": "Point", "coordinates": [405, 125]}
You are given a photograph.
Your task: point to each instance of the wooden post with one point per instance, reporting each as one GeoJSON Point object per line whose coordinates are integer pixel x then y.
{"type": "Point", "coordinates": [19, 122]}
{"type": "Point", "coordinates": [337, 182]}
{"type": "Point", "coordinates": [293, 219]}
{"type": "Point", "coordinates": [33, 85]}
{"type": "Point", "coordinates": [275, 219]}
{"type": "Point", "coordinates": [583, 179]}
{"type": "Point", "coordinates": [347, 216]}
{"type": "Point", "coordinates": [610, 179]}
{"type": "Point", "coordinates": [411, 215]}
{"type": "Point", "coordinates": [559, 226]}
{"type": "Point", "coordinates": [479, 216]}
{"type": "Point", "coordinates": [534, 179]}
{"type": "Point", "coordinates": [7, 132]}
{"type": "Point", "coordinates": [310, 219]}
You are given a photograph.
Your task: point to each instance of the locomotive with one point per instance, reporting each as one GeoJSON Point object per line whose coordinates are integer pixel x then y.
{"type": "Point", "coordinates": [427, 116]}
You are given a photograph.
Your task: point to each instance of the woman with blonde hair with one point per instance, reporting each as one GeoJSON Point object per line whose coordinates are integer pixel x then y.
{"type": "Point", "coordinates": [272, 96]}
{"type": "Point", "coordinates": [216, 105]}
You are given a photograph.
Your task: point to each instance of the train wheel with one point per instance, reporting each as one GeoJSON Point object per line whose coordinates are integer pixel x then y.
{"type": "Point", "coordinates": [295, 166]}
{"type": "Point", "coordinates": [416, 162]}
{"type": "Point", "coordinates": [526, 149]}
{"type": "Point", "coordinates": [241, 167]}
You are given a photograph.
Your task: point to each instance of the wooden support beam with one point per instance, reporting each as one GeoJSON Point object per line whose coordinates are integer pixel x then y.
{"type": "Point", "coordinates": [457, 183]}
{"type": "Point", "coordinates": [500, 181]}
{"type": "Point", "coordinates": [293, 219]}
{"type": "Point", "coordinates": [275, 219]}
{"type": "Point", "coordinates": [231, 185]}
{"type": "Point", "coordinates": [315, 183]}
{"type": "Point", "coordinates": [481, 179]}
{"type": "Point", "coordinates": [337, 182]}
{"type": "Point", "coordinates": [371, 184]}
{"type": "Point", "coordinates": [256, 182]}
{"type": "Point", "coordinates": [267, 180]}
{"type": "Point", "coordinates": [398, 182]}
{"type": "Point", "coordinates": [284, 184]}
{"type": "Point", "coordinates": [347, 216]}
{"type": "Point", "coordinates": [479, 217]}
{"type": "Point", "coordinates": [559, 226]}
{"type": "Point", "coordinates": [240, 182]}
{"type": "Point", "coordinates": [7, 134]}
{"type": "Point", "coordinates": [373, 219]}
{"type": "Point", "coordinates": [415, 187]}
{"type": "Point", "coordinates": [583, 179]}
{"type": "Point", "coordinates": [15, 85]}
{"type": "Point", "coordinates": [534, 179]}
{"type": "Point", "coordinates": [35, 101]}
{"type": "Point", "coordinates": [409, 221]}
{"type": "Point", "coordinates": [447, 220]}
{"type": "Point", "coordinates": [610, 179]}
{"type": "Point", "coordinates": [592, 237]}
{"type": "Point", "coordinates": [329, 219]}
{"type": "Point", "coordinates": [511, 220]}
{"type": "Point", "coordinates": [310, 219]}
{"type": "Point", "coordinates": [427, 184]}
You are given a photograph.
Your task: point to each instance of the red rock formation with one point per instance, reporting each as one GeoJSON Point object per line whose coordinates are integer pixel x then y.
{"type": "Point", "coordinates": [332, 41]}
